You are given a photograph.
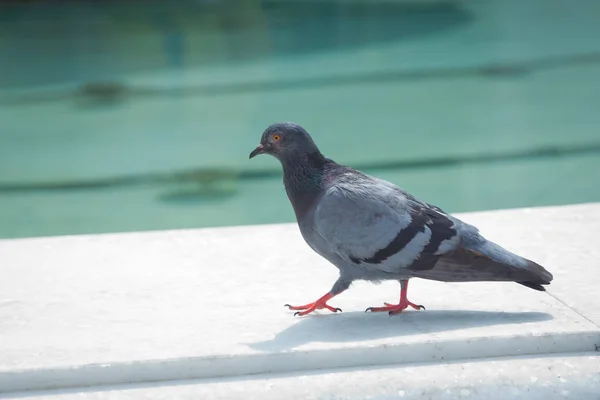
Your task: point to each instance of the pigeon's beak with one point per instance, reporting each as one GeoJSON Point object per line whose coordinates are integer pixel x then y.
{"type": "Point", "coordinates": [258, 150]}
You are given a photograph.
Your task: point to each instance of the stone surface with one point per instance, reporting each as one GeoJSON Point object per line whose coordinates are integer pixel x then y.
{"type": "Point", "coordinates": [571, 376]}
{"type": "Point", "coordinates": [138, 307]}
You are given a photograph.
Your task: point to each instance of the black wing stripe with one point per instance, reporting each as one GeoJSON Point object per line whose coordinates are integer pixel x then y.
{"type": "Point", "coordinates": [442, 228]}
{"type": "Point", "coordinates": [416, 225]}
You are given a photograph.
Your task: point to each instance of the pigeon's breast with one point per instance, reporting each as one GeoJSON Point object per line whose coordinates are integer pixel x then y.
{"type": "Point", "coordinates": [315, 241]}
{"type": "Point", "coordinates": [312, 238]}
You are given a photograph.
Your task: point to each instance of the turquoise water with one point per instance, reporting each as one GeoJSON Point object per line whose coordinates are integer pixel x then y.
{"type": "Point", "coordinates": [122, 116]}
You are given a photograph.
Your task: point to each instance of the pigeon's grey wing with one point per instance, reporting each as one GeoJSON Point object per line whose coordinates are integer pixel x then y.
{"type": "Point", "coordinates": [380, 228]}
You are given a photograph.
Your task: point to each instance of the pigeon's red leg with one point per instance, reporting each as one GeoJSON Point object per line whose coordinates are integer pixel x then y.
{"type": "Point", "coordinates": [398, 308]}
{"type": "Point", "coordinates": [317, 305]}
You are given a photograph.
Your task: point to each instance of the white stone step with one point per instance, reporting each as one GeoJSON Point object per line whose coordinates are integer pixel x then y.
{"type": "Point", "coordinates": [159, 306]}
{"type": "Point", "coordinates": [562, 376]}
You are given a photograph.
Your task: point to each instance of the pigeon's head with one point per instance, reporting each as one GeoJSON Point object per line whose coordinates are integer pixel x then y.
{"type": "Point", "coordinates": [284, 141]}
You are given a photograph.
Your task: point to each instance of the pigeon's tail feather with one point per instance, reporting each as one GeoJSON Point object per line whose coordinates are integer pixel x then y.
{"type": "Point", "coordinates": [538, 275]}
{"type": "Point", "coordinates": [534, 286]}
{"type": "Point", "coordinates": [486, 261]}
{"type": "Point", "coordinates": [543, 276]}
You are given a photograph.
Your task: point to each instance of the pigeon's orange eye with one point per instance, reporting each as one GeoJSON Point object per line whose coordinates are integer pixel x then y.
{"type": "Point", "coordinates": [276, 137]}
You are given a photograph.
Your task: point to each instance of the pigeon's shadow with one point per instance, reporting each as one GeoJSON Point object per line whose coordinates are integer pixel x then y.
{"type": "Point", "coordinates": [360, 326]}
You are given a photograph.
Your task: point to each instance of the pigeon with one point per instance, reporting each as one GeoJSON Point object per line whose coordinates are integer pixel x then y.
{"type": "Point", "coordinates": [372, 230]}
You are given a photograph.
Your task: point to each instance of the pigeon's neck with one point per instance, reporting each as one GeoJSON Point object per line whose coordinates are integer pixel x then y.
{"type": "Point", "coordinates": [303, 178]}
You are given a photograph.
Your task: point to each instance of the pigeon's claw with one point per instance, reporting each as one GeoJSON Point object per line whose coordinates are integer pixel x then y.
{"type": "Point", "coordinates": [393, 309]}
{"type": "Point", "coordinates": [314, 306]}
{"type": "Point", "coordinates": [413, 305]}
{"type": "Point", "coordinates": [317, 305]}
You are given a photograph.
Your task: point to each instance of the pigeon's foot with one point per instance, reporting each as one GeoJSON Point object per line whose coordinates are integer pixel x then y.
{"type": "Point", "coordinates": [317, 305]}
{"type": "Point", "coordinates": [394, 309]}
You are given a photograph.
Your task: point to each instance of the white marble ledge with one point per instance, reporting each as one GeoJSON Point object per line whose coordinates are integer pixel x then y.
{"type": "Point", "coordinates": [560, 376]}
{"type": "Point", "coordinates": [160, 306]}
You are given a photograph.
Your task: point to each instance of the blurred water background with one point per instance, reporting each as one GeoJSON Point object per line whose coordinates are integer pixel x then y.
{"type": "Point", "coordinates": [139, 115]}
